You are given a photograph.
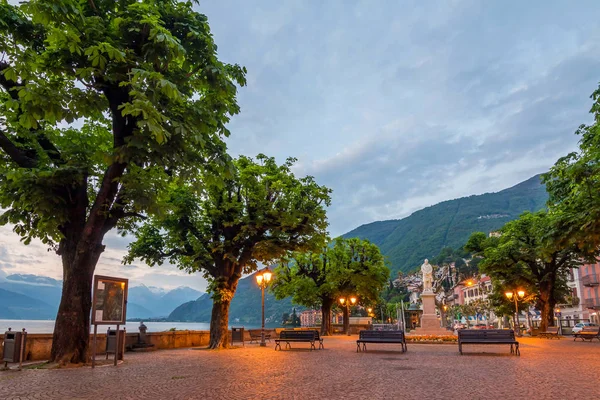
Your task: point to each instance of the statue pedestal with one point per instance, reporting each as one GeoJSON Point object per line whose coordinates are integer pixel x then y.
{"type": "Point", "coordinates": [430, 324]}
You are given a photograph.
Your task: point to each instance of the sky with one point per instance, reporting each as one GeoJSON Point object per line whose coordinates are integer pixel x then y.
{"type": "Point", "coordinates": [395, 105]}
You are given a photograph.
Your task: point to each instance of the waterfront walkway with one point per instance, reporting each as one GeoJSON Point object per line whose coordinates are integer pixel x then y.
{"type": "Point", "coordinates": [546, 369]}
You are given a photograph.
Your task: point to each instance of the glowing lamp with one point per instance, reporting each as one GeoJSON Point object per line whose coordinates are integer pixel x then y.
{"type": "Point", "coordinates": [267, 275]}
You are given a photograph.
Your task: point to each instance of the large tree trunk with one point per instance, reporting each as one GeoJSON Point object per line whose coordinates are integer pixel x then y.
{"type": "Point", "coordinates": [545, 302]}
{"type": "Point", "coordinates": [219, 325]}
{"type": "Point", "coordinates": [326, 318]}
{"type": "Point", "coordinates": [219, 320]}
{"type": "Point", "coordinates": [70, 341]}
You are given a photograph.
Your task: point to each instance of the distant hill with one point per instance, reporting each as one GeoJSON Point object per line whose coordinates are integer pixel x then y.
{"type": "Point", "coordinates": [245, 307]}
{"type": "Point", "coordinates": [408, 241]}
{"type": "Point", "coordinates": [143, 302]}
{"type": "Point", "coordinates": [18, 306]}
{"type": "Point", "coordinates": [158, 303]}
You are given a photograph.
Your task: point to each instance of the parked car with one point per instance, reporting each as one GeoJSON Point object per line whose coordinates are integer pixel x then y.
{"type": "Point", "coordinates": [579, 326]}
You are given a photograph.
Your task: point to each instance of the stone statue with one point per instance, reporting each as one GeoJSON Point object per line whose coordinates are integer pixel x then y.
{"type": "Point", "coordinates": [427, 271]}
{"type": "Point", "coordinates": [142, 335]}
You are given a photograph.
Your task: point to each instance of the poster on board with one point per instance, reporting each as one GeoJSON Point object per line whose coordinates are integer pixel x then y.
{"type": "Point", "coordinates": [109, 306]}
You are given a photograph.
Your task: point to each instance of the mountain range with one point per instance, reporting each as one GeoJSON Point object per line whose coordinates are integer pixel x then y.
{"type": "Point", "coordinates": [408, 241]}
{"type": "Point", "coordinates": [405, 242]}
{"type": "Point", "coordinates": [24, 296]}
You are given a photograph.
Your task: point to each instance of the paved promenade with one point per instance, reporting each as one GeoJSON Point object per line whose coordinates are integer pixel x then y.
{"type": "Point", "coordinates": [546, 369]}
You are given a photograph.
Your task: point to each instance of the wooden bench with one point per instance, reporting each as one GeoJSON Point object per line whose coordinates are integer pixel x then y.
{"type": "Point", "coordinates": [588, 333]}
{"type": "Point", "coordinates": [488, 336]}
{"type": "Point", "coordinates": [552, 332]}
{"type": "Point", "coordinates": [255, 335]}
{"type": "Point", "coordinates": [307, 336]}
{"type": "Point", "coordinates": [365, 337]}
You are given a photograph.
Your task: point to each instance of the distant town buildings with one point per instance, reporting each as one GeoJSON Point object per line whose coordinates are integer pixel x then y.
{"type": "Point", "coordinates": [310, 318]}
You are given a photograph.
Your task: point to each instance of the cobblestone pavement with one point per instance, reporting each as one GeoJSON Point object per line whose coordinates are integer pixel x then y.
{"type": "Point", "coordinates": [546, 369]}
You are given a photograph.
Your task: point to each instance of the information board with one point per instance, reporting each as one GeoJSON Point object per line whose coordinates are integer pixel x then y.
{"type": "Point", "coordinates": [109, 305]}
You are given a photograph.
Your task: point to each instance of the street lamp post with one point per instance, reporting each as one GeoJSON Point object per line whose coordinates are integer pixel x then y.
{"type": "Point", "coordinates": [263, 278]}
{"type": "Point", "coordinates": [346, 302]}
{"type": "Point", "coordinates": [519, 294]}
{"type": "Point", "coordinates": [558, 315]}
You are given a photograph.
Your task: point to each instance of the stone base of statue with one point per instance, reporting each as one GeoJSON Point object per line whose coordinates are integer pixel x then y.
{"type": "Point", "coordinates": [430, 324]}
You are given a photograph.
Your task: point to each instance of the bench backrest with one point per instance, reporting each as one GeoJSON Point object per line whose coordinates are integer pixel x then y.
{"type": "Point", "coordinates": [381, 334]}
{"type": "Point", "coordinates": [307, 335]}
{"type": "Point", "coordinates": [316, 331]}
{"type": "Point", "coordinates": [591, 329]}
{"type": "Point", "coordinates": [489, 334]}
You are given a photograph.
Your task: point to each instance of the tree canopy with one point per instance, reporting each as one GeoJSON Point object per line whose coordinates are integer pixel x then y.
{"type": "Point", "coordinates": [573, 184]}
{"type": "Point", "coordinates": [225, 229]}
{"type": "Point", "coordinates": [317, 279]}
{"type": "Point", "coordinates": [102, 104]}
{"type": "Point", "coordinates": [526, 257]}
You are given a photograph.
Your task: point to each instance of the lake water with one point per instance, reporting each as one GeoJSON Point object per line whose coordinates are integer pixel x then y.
{"type": "Point", "coordinates": [40, 326]}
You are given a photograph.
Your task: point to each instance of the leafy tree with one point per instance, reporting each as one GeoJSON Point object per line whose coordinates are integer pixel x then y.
{"type": "Point", "coordinates": [142, 79]}
{"type": "Point", "coordinates": [526, 256]}
{"type": "Point", "coordinates": [224, 229]}
{"type": "Point", "coordinates": [573, 184]}
{"type": "Point", "coordinates": [285, 318]}
{"type": "Point", "coordinates": [295, 319]}
{"type": "Point", "coordinates": [349, 267]}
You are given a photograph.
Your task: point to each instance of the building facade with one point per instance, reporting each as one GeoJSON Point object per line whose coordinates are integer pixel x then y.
{"type": "Point", "coordinates": [590, 292]}
{"type": "Point", "coordinates": [310, 318]}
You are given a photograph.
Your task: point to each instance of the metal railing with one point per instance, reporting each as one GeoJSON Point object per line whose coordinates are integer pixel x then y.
{"type": "Point", "coordinates": [592, 303]}
{"type": "Point", "coordinates": [590, 280]}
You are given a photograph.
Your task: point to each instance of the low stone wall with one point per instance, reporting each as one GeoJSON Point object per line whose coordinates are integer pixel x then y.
{"type": "Point", "coordinates": [38, 345]}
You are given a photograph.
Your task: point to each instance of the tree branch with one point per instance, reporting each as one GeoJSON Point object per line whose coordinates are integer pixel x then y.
{"type": "Point", "coordinates": [19, 156]}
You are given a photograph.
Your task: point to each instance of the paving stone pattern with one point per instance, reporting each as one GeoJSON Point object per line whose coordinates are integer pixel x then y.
{"type": "Point", "coordinates": [546, 369]}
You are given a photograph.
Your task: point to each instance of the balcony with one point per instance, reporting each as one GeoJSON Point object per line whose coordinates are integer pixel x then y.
{"type": "Point", "coordinates": [593, 303]}
{"type": "Point", "coordinates": [590, 280]}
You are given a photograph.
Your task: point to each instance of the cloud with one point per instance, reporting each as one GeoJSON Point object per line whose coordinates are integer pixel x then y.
{"type": "Point", "coordinates": [395, 107]}
{"type": "Point", "coordinates": [404, 105]}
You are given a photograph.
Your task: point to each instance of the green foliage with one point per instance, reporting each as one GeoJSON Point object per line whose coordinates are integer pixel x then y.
{"type": "Point", "coordinates": [149, 66]}
{"type": "Point", "coordinates": [294, 319]}
{"type": "Point", "coordinates": [573, 184]}
{"type": "Point", "coordinates": [224, 229]}
{"type": "Point", "coordinates": [349, 267]}
{"type": "Point", "coordinates": [525, 256]}
{"type": "Point", "coordinates": [103, 105]}
{"type": "Point", "coordinates": [407, 242]}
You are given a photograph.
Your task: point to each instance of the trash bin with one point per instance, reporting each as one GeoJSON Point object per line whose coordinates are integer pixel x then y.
{"type": "Point", "coordinates": [111, 342]}
{"type": "Point", "coordinates": [237, 335]}
{"type": "Point", "coordinates": [14, 346]}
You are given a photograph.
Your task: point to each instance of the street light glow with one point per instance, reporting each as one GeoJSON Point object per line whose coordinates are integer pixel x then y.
{"type": "Point", "coordinates": [267, 275]}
